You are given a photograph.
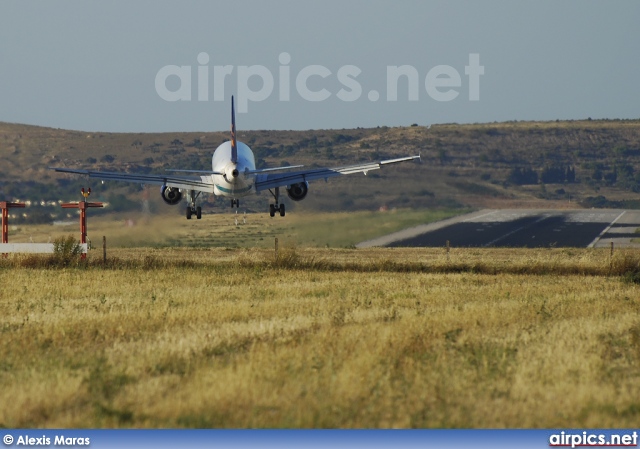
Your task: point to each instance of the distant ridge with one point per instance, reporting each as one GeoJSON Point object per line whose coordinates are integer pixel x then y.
{"type": "Point", "coordinates": [463, 164]}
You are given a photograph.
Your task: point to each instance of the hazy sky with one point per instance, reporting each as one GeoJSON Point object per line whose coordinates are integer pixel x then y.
{"type": "Point", "coordinates": [95, 65]}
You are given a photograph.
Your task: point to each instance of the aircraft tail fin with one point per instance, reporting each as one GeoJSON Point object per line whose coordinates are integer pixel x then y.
{"type": "Point", "coordinates": [234, 143]}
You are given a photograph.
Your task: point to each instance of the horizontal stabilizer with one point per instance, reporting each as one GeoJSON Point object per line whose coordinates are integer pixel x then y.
{"type": "Point", "coordinates": [201, 172]}
{"type": "Point", "coordinates": [264, 170]}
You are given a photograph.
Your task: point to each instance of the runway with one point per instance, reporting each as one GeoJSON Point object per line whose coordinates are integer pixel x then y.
{"type": "Point", "coordinates": [523, 228]}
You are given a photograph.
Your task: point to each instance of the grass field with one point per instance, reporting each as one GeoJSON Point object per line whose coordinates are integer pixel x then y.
{"type": "Point", "coordinates": [339, 229]}
{"type": "Point", "coordinates": [215, 337]}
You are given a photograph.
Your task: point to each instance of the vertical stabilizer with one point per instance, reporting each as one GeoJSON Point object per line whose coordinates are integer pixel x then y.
{"type": "Point", "coordinates": [234, 144]}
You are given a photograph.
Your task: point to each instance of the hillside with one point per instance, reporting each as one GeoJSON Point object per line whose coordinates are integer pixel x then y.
{"type": "Point", "coordinates": [475, 165]}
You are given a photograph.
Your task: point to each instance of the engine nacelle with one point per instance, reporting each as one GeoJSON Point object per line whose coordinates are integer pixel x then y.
{"type": "Point", "coordinates": [298, 192]}
{"type": "Point", "coordinates": [171, 195]}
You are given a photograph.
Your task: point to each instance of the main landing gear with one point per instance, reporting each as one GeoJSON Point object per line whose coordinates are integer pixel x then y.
{"type": "Point", "coordinates": [197, 211]}
{"type": "Point", "coordinates": [235, 203]}
{"type": "Point", "coordinates": [273, 208]}
{"type": "Point", "coordinates": [191, 208]}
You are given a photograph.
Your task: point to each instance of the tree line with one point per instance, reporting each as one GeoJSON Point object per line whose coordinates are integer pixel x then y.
{"type": "Point", "coordinates": [549, 175]}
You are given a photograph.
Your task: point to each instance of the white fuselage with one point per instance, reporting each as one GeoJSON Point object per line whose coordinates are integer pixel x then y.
{"type": "Point", "coordinates": [238, 178]}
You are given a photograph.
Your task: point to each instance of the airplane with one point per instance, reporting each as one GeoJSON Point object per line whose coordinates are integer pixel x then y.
{"type": "Point", "coordinates": [234, 175]}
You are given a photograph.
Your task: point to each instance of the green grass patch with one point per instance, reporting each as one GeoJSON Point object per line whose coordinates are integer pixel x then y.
{"type": "Point", "coordinates": [337, 229]}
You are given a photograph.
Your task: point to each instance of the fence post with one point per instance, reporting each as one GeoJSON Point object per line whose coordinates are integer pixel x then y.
{"type": "Point", "coordinates": [276, 247]}
{"type": "Point", "coordinates": [611, 257]}
{"type": "Point", "coordinates": [104, 249]}
{"type": "Point", "coordinates": [448, 249]}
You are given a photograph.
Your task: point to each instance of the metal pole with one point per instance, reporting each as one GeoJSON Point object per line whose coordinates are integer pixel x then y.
{"type": "Point", "coordinates": [5, 206]}
{"type": "Point", "coordinates": [5, 225]}
{"type": "Point", "coordinates": [83, 206]}
{"type": "Point", "coordinates": [83, 226]}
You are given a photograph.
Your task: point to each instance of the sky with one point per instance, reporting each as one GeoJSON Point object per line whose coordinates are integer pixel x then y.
{"type": "Point", "coordinates": [156, 66]}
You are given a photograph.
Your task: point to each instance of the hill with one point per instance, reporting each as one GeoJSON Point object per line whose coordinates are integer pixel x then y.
{"type": "Point", "coordinates": [477, 165]}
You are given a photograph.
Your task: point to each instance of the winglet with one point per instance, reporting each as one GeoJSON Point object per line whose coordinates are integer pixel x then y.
{"type": "Point", "coordinates": [234, 144]}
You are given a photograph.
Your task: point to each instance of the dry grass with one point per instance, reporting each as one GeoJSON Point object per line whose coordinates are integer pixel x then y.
{"type": "Point", "coordinates": [253, 230]}
{"type": "Point", "coordinates": [322, 338]}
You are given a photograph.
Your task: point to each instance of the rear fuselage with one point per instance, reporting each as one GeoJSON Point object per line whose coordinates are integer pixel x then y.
{"type": "Point", "coordinates": [238, 178]}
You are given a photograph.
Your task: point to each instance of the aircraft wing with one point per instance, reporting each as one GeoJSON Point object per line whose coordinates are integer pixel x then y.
{"type": "Point", "coordinates": [268, 181]}
{"type": "Point", "coordinates": [200, 183]}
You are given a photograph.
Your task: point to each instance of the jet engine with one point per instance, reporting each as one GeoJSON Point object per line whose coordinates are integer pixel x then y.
{"type": "Point", "coordinates": [298, 192]}
{"type": "Point", "coordinates": [171, 195]}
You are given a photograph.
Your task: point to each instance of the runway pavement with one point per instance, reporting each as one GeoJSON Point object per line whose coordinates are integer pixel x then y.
{"type": "Point", "coordinates": [524, 228]}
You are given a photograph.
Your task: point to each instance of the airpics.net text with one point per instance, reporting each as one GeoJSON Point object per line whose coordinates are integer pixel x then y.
{"type": "Point", "coordinates": [257, 83]}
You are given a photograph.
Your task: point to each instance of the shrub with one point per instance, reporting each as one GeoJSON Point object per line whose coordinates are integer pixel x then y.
{"type": "Point", "coordinates": [66, 251]}
{"type": "Point", "coordinates": [522, 176]}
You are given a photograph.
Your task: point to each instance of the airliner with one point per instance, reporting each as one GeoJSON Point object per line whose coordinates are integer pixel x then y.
{"type": "Point", "coordinates": [234, 175]}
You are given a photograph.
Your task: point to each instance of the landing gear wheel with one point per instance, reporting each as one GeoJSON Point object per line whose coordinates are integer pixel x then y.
{"type": "Point", "coordinates": [276, 207]}
{"type": "Point", "coordinates": [192, 210]}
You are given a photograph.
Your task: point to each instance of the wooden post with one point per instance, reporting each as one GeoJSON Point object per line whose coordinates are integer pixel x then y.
{"type": "Point", "coordinates": [448, 249]}
{"type": "Point", "coordinates": [611, 254]}
{"type": "Point", "coordinates": [276, 248]}
{"type": "Point", "coordinates": [104, 249]}
{"type": "Point", "coordinates": [611, 257]}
